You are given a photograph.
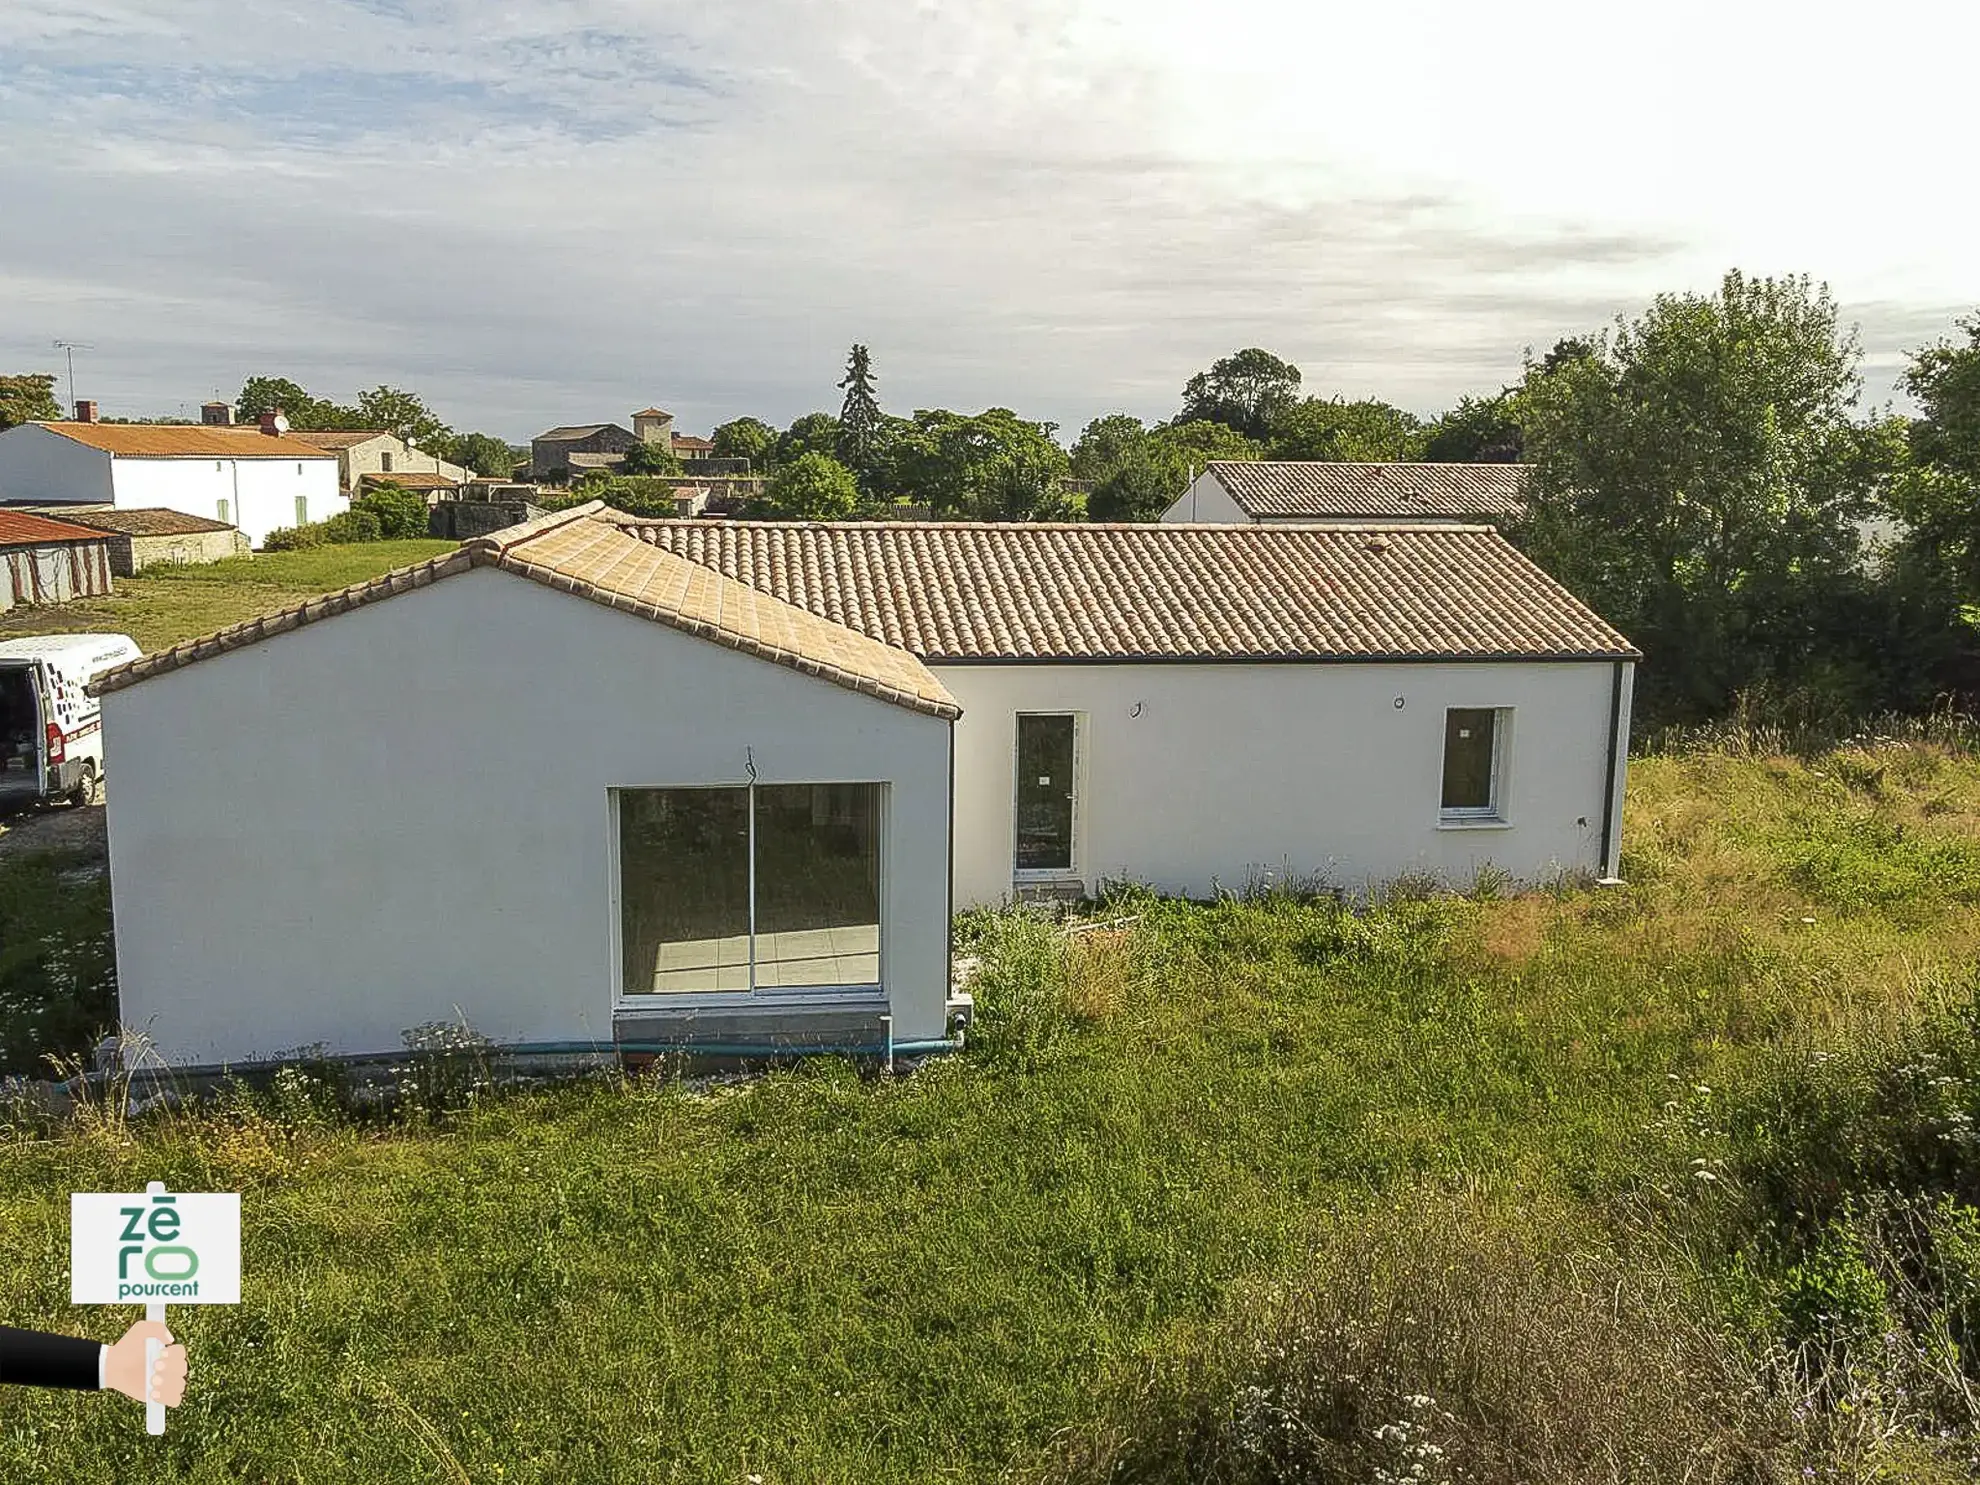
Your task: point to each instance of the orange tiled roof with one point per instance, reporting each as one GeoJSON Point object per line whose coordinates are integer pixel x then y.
{"type": "Point", "coordinates": [959, 592]}
{"type": "Point", "coordinates": [595, 560]}
{"type": "Point", "coordinates": [18, 528]}
{"type": "Point", "coordinates": [184, 441]}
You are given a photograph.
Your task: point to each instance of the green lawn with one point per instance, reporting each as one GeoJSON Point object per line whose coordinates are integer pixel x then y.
{"type": "Point", "coordinates": [981, 1270]}
{"type": "Point", "coordinates": [166, 605]}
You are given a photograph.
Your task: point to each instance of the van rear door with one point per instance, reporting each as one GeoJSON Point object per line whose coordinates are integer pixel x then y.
{"type": "Point", "coordinates": [23, 743]}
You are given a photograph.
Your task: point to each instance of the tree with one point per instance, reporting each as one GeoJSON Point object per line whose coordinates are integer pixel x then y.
{"type": "Point", "coordinates": [403, 414]}
{"type": "Point", "coordinates": [1697, 479]}
{"type": "Point", "coordinates": [1105, 443]}
{"type": "Point", "coordinates": [1479, 430]}
{"type": "Point", "coordinates": [1333, 430]}
{"type": "Point", "coordinates": [745, 438]}
{"type": "Point", "coordinates": [651, 458]}
{"type": "Point", "coordinates": [812, 487]}
{"type": "Point", "coordinates": [484, 453]}
{"type": "Point", "coordinates": [28, 398]}
{"type": "Point", "coordinates": [260, 394]}
{"type": "Point", "coordinates": [1939, 495]}
{"type": "Point", "coordinates": [814, 433]}
{"type": "Point", "coordinates": [859, 415]}
{"type": "Point", "coordinates": [993, 465]}
{"type": "Point", "coordinates": [1247, 390]}
{"type": "Point", "coordinates": [1143, 482]}
{"type": "Point", "coordinates": [1196, 444]}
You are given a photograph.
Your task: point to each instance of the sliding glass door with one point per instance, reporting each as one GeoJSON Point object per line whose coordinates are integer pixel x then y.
{"type": "Point", "coordinates": [769, 887]}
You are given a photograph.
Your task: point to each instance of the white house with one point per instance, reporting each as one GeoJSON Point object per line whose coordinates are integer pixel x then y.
{"type": "Point", "coordinates": [1239, 490]}
{"type": "Point", "coordinates": [733, 798]}
{"type": "Point", "coordinates": [598, 796]}
{"type": "Point", "coordinates": [1204, 707]}
{"type": "Point", "coordinates": [253, 478]}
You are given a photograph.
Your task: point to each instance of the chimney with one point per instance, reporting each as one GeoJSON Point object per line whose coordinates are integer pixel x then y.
{"type": "Point", "coordinates": [85, 411]}
{"type": "Point", "coordinates": [216, 414]}
{"type": "Point", "coordinates": [274, 424]}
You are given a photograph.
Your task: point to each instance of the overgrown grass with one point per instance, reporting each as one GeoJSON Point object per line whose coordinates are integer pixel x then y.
{"type": "Point", "coordinates": [1595, 1172]}
{"type": "Point", "coordinates": [165, 605]}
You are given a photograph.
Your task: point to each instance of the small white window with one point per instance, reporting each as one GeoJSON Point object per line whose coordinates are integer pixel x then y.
{"type": "Point", "coordinates": [302, 510]}
{"type": "Point", "coordinates": [1474, 762]}
{"type": "Point", "coordinates": [299, 469]}
{"type": "Point", "coordinates": [385, 463]}
{"type": "Point", "coordinates": [223, 513]}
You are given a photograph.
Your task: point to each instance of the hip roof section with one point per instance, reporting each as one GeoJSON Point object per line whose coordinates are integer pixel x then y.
{"type": "Point", "coordinates": [1283, 489]}
{"type": "Point", "coordinates": [958, 593]}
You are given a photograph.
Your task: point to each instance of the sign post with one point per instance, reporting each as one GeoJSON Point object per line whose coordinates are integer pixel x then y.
{"type": "Point", "coordinates": [155, 1248]}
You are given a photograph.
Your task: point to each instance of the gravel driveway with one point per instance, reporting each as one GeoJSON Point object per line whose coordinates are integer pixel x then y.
{"type": "Point", "coordinates": [56, 828]}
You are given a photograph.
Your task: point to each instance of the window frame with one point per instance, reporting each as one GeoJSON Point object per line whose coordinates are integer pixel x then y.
{"type": "Point", "coordinates": [1493, 811]}
{"type": "Point", "coordinates": [1070, 872]}
{"type": "Point", "coordinates": [660, 1001]}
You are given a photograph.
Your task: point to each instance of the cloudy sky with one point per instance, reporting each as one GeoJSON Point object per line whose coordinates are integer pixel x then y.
{"type": "Point", "coordinates": [545, 211]}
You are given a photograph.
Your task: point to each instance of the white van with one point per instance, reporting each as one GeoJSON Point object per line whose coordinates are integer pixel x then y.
{"type": "Point", "coordinates": [51, 730]}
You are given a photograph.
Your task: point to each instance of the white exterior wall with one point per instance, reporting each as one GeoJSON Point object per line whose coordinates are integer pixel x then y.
{"type": "Point", "coordinates": [401, 816]}
{"type": "Point", "coordinates": [38, 465]}
{"type": "Point", "coordinates": [260, 493]}
{"type": "Point", "coordinates": [1232, 771]}
{"type": "Point", "coordinates": [1206, 500]}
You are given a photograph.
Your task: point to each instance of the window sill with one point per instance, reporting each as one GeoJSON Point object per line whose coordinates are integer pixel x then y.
{"type": "Point", "coordinates": [1475, 822]}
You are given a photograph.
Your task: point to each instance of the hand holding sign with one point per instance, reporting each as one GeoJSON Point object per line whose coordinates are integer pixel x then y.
{"type": "Point", "coordinates": [124, 1370]}
{"type": "Point", "coordinates": [153, 1249]}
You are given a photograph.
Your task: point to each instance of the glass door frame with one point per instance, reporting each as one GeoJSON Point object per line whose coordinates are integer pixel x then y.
{"type": "Point", "coordinates": [1077, 814]}
{"type": "Point", "coordinates": [658, 1001]}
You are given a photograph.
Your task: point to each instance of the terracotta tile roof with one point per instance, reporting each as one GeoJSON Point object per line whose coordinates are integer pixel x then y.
{"type": "Point", "coordinates": [958, 592]}
{"type": "Point", "coordinates": [184, 441]}
{"type": "Point", "coordinates": [18, 528]}
{"type": "Point", "coordinates": [595, 560]}
{"type": "Point", "coordinates": [691, 441]}
{"type": "Point", "coordinates": [339, 439]}
{"type": "Point", "coordinates": [1305, 491]}
{"type": "Point", "coordinates": [407, 480]}
{"type": "Point", "coordinates": [147, 521]}
{"type": "Point", "coordinates": [653, 412]}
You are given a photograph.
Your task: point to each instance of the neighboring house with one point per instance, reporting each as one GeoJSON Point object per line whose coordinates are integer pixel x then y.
{"type": "Point", "coordinates": [138, 539]}
{"type": "Point", "coordinates": [1239, 490]}
{"type": "Point", "coordinates": [45, 561]}
{"type": "Point", "coordinates": [597, 795]}
{"type": "Point", "coordinates": [562, 454]}
{"type": "Point", "coordinates": [762, 763]}
{"type": "Point", "coordinates": [256, 478]}
{"type": "Point", "coordinates": [434, 488]}
{"type": "Point", "coordinates": [360, 454]}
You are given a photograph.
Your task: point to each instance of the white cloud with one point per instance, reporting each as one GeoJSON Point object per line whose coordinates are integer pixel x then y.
{"type": "Point", "coordinates": [540, 210]}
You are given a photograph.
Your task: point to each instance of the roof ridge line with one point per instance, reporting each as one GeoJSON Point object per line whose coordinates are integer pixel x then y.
{"type": "Point", "coordinates": [492, 546]}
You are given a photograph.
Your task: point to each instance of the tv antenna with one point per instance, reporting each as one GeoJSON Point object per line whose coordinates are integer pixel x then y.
{"type": "Point", "coordinates": [71, 347]}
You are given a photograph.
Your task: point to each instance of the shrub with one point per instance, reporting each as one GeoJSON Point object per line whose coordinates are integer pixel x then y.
{"type": "Point", "coordinates": [349, 526]}
{"type": "Point", "coordinates": [399, 514]}
{"type": "Point", "coordinates": [294, 538]}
